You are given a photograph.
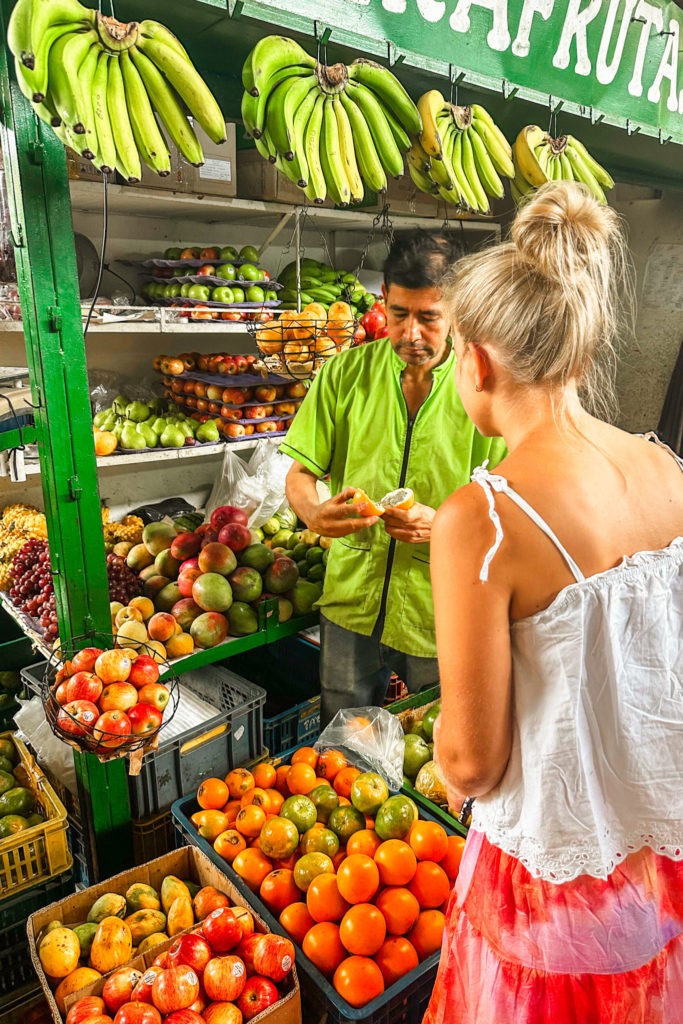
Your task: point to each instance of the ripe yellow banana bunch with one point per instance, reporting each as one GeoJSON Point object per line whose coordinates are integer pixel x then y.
{"type": "Point", "coordinates": [331, 129]}
{"type": "Point", "coordinates": [460, 154]}
{"type": "Point", "coordinates": [104, 85]}
{"type": "Point", "coordinates": [539, 158]}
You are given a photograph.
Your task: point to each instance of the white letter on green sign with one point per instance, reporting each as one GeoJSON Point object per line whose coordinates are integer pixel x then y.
{"type": "Point", "coordinates": [520, 47]}
{"type": "Point", "coordinates": [499, 37]}
{"type": "Point", "coordinates": [668, 68]}
{"type": "Point", "coordinates": [605, 70]}
{"type": "Point", "coordinates": [575, 24]}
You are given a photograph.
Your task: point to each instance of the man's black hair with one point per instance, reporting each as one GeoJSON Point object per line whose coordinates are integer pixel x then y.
{"type": "Point", "coordinates": [419, 259]}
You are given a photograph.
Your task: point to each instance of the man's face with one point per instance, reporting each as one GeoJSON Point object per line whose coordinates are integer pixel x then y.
{"type": "Point", "coordinates": [418, 324]}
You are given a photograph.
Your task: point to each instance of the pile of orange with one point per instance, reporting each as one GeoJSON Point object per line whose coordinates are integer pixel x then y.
{"type": "Point", "coordinates": [366, 904]}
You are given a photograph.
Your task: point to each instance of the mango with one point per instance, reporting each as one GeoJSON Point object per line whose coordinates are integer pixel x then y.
{"type": "Point", "coordinates": [112, 946]}
{"type": "Point", "coordinates": [142, 897]}
{"type": "Point", "coordinates": [86, 934]}
{"type": "Point", "coordinates": [171, 889]}
{"type": "Point", "coordinates": [145, 922]}
{"type": "Point", "coordinates": [50, 928]}
{"type": "Point", "coordinates": [59, 952]}
{"type": "Point", "coordinates": [180, 916]}
{"type": "Point", "coordinates": [111, 904]}
{"type": "Point", "coordinates": [73, 982]}
{"type": "Point", "coordinates": [152, 940]}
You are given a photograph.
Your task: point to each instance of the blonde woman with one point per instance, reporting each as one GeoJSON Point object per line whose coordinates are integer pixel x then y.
{"type": "Point", "coordinates": [558, 590]}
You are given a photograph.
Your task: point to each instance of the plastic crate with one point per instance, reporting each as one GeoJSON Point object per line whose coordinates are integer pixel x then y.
{"type": "Point", "coordinates": [152, 837]}
{"type": "Point", "coordinates": [26, 1005]}
{"type": "Point", "coordinates": [17, 977]}
{"type": "Point", "coordinates": [16, 651]}
{"type": "Point", "coordinates": [39, 852]}
{"type": "Point", "coordinates": [288, 670]}
{"type": "Point", "coordinates": [402, 1003]}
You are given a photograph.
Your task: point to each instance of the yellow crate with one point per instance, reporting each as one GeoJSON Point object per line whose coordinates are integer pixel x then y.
{"type": "Point", "coordinates": [41, 851]}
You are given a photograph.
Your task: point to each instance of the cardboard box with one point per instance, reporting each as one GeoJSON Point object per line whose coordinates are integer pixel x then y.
{"type": "Point", "coordinates": [186, 863]}
{"type": "Point", "coordinates": [179, 180]}
{"type": "Point", "coordinates": [217, 176]}
{"type": "Point", "coordinates": [258, 179]}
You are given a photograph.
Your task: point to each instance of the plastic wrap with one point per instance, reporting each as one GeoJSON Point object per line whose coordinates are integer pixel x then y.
{"type": "Point", "coordinates": [369, 737]}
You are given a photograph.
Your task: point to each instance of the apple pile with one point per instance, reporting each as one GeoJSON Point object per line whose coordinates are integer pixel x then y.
{"type": "Point", "coordinates": [109, 699]}
{"type": "Point", "coordinates": [223, 972]}
{"type": "Point", "coordinates": [356, 878]}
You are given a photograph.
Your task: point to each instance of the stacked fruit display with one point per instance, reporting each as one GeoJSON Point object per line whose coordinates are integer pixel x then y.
{"type": "Point", "coordinates": [108, 701]}
{"type": "Point", "coordinates": [459, 154]}
{"type": "Point", "coordinates": [539, 158]}
{"type": "Point", "coordinates": [18, 524]}
{"type": "Point", "coordinates": [133, 425]}
{"type": "Point", "coordinates": [17, 803]}
{"type": "Point", "coordinates": [299, 343]}
{"type": "Point", "coordinates": [330, 129]}
{"type": "Point", "coordinates": [120, 535]}
{"type": "Point", "coordinates": [308, 549]}
{"type": "Point", "coordinates": [203, 585]}
{"type": "Point", "coordinates": [102, 84]}
{"type": "Point", "coordinates": [235, 411]}
{"type": "Point", "coordinates": [217, 957]}
{"type": "Point", "coordinates": [357, 879]}
{"type": "Point", "coordinates": [321, 283]}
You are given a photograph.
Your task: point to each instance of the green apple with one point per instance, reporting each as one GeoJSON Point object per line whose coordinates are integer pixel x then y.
{"type": "Point", "coordinates": [199, 291]}
{"type": "Point", "coordinates": [226, 271]}
{"type": "Point", "coordinates": [185, 290]}
{"type": "Point", "coordinates": [255, 294]}
{"type": "Point", "coordinates": [248, 272]}
{"type": "Point", "coordinates": [179, 271]}
{"type": "Point", "coordinates": [249, 253]}
{"type": "Point", "coordinates": [172, 291]}
{"type": "Point", "coordinates": [238, 295]}
{"type": "Point", "coordinates": [222, 294]}
{"type": "Point", "coordinates": [173, 253]}
{"type": "Point", "coordinates": [228, 252]}
{"type": "Point", "coordinates": [271, 295]}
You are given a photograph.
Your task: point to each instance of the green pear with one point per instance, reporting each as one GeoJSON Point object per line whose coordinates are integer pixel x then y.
{"type": "Point", "coordinates": [131, 437]}
{"type": "Point", "coordinates": [101, 417]}
{"type": "Point", "coordinates": [119, 404]}
{"type": "Point", "coordinates": [117, 427]}
{"type": "Point", "coordinates": [185, 428]}
{"type": "Point", "coordinates": [172, 437]}
{"type": "Point", "coordinates": [208, 432]}
{"type": "Point", "coordinates": [159, 425]}
{"type": "Point", "coordinates": [137, 411]}
{"type": "Point", "coordinates": [151, 438]}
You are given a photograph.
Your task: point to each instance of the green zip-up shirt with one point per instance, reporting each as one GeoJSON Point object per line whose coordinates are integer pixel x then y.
{"type": "Point", "coordinates": [353, 424]}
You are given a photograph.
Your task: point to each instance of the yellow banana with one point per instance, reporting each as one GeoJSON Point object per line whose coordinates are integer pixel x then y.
{"type": "Point", "coordinates": [525, 158]}
{"type": "Point", "coordinates": [348, 153]}
{"type": "Point", "coordinates": [421, 181]}
{"type": "Point", "coordinates": [429, 105]}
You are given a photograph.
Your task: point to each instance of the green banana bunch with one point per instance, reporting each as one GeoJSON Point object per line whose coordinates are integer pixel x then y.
{"type": "Point", "coordinates": [321, 283]}
{"type": "Point", "coordinates": [460, 154]}
{"type": "Point", "coordinates": [539, 158]}
{"type": "Point", "coordinates": [331, 129]}
{"type": "Point", "coordinates": [108, 88]}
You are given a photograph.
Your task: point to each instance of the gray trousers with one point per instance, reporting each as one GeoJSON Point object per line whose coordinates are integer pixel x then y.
{"type": "Point", "coordinates": [355, 670]}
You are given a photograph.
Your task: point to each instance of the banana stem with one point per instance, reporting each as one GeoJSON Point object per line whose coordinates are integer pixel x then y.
{"type": "Point", "coordinates": [332, 78]}
{"type": "Point", "coordinates": [117, 36]}
{"type": "Point", "coordinates": [462, 116]}
{"type": "Point", "coordinates": [558, 145]}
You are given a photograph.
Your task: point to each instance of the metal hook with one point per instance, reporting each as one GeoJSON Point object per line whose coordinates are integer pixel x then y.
{"type": "Point", "coordinates": [455, 80]}
{"type": "Point", "coordinates": [629, 129]}
{"type": "Point", "coordinates": [394, 56]}
{"type": "Point", "coordinates": [596, 119]}
{"type": "Point", "coordinates": [508, 91]}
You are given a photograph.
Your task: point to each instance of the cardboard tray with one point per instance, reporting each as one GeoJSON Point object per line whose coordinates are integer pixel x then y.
{"type": "Point", "coordinates": [187, 863]}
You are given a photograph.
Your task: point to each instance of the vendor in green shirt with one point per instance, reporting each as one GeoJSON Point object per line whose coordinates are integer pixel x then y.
{"type": "Point", "coordinates": [379, 417]}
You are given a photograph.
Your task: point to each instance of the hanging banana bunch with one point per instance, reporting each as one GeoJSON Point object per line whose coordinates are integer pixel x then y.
{"type": "Point", "coordinates": [105, 86]}
{"type": "Point", "coordinates": [331, 129]}
{"type": "Point", "coordinates": [539, 158]}
{"type": "Point", "coordinates": [460, 154]}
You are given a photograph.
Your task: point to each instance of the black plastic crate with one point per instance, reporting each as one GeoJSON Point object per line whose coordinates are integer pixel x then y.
{"type": "Point", "coordinates": [26, 1005]}
{"type": "Point", "coordinates": [152, 837]}
{"type": "Point", "coordinates": [84, 875]}
{"type": "Point", "coordinates": [289, 672]}
{"type": "Point", "coordinates": [17, 974]}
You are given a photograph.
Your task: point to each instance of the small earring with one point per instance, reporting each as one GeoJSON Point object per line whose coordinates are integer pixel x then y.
{"type": "Point", "coordinates": [479, 387]}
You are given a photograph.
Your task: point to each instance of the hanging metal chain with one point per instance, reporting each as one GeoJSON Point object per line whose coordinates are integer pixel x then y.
{"type": "Point", "coordinates": [381, 222]}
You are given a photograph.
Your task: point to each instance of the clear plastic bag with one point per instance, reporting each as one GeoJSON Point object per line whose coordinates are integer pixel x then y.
{"type": "Point", "coordinates": [371, 738]}
{"type": "Point", "coordinates": [51, 753]}
{"type": "Point", "coordinates": [257, 486]}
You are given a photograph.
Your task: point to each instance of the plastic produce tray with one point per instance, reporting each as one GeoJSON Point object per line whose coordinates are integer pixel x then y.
{"type": "Point", "coordinates": [402, 1003]}
{"type": "Point", "coordinates": [40, 852]}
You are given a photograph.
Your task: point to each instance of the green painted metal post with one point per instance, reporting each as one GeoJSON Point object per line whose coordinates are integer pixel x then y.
{"type": "Point", "coordinates": [40, 210]}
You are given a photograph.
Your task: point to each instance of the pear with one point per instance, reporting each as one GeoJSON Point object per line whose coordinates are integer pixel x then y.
{"type": "Point", "coordinates": [208, 432]}
{"type": "Point", "coordinates": [137, 411]}
{"type": "Point", "coordinates": [172, 437]}
{"type": "Point", "coordinates": [117, 428]}
{"type": "Point", "coordinates": [150, 436]}
{"type": "Point", "coordinates": [119, 404]}
{"type": "Point", "coordinates": [101, 418]}
{"type": "Point", "coordinates": [131, 437]}
{"type": "Point", "coordinates": [186, 427]}
{"type": "Point", "coordinates": [159, 425]}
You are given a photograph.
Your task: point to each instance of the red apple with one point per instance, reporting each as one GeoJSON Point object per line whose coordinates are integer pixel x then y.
{"type": "Point", "coordinates": [222, 930]}
{"type": "Point", "coordinates": [84, 1009]}
{"type": "Point", "coordinates": [214, 392]}
{"type": "Point", "coordinates": [143, 990]}
{"type": "Point", "coordinates": [175, 989]}
{"type": "Point", "coordinates": [206, 270]}
{"type": "Point", "coordinates": [189, 563]}
{"type": "Point", "coordinates": [234, 430]}
{"type": "Point", "coordinates": [235, 396]}
{"type": "Point", "coordinates": [224, 978]}
{"type": "Point", "coordinates": [188, 1016]}
{"type": "Point", "coordinates": [273, 956]}
{"type": "Point", "coordinates": [267, 427]}
{"type": "Point", "coordinates": [191, 949]}
{"type": "Point", "coordinates": [144, 719]}
{"type": "Point", "coordinates": [265, 393]}
{"type": "Point", "coordinates": [118, 697]}
{"type": "Point", "coordinates": [112, 729]}
{"type": "Point", "coordinates": [144, 670]}
{"type": "Point", "coordinates": [77, 717]}
{"type": "Point", "coordinates": [155, 694]}
{"type": "Point", "coordinates": [247, 949]}
{"type": "Point", "coordinates": [224, 514]}
{"type": "Point", "coordinates": [136, 1013]}
{"type": "Point", "coordinates": [246, 920]}
{"type": "Point", "coordinates": [258, 994]}
{"type": "Point", "coordinates": [114, 666]}
{"type": "Point", "coordinates": [235, 536]}
{"type": "Point", "coordinates": [241, 364]}
{"type": "Point", "coordinates": [222, 1013]}
{"type": "Point", "coordinates": [60, 692]}
{"type": "Point", "coordinates": [186, 579]}
{"type": "Point", "coordinates": [119, 986]}
{"type": "Point", "coordinates": [161, 960]}
{"type": "Point", "coordinates": [84, 661]}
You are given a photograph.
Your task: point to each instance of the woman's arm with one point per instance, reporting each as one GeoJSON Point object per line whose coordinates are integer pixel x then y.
{"type": "Point", "coordinates": [474, 734]}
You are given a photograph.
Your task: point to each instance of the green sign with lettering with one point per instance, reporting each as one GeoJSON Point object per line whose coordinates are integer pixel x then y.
{"type": "Point", "coordinates": [618, 59]}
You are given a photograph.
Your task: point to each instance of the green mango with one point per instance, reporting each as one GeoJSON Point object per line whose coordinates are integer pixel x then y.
{"type": "Point", "coordinates": [7, 780]}
{"type": "Point", "coordinates": [10, 824]}
{"type": "Point", "coordinates": [131, 437]}
{"type": "Point", "coordinates": [208, 432]}
{"type": "Point", "coordinates": [7, 767]}
{"type": "Point", "coordinates": [137, 411]}
{"type": "Point", "coordinates": [10, 681]}
{"type": "Point", "coordinates": [86, 935]}
{"type": "Point", "coordinates": [172, 437]}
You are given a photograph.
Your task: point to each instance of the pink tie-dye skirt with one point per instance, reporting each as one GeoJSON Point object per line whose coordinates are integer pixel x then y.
{"type": "Point", "coordinates": [519, 950]}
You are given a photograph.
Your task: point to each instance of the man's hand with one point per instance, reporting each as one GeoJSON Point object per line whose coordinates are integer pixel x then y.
{"type": "Point", "coordinates": [412, 525]}
{"type": "Point", "coordinates": [336, 518]}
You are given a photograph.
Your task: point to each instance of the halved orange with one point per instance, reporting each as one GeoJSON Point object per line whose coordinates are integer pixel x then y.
{"type": "Point", "coordinates": [361, 498]}
{"type": "Point", "coordinates": [402, 498]}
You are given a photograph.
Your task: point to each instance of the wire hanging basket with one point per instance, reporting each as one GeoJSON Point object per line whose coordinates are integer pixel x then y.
{"type": "Point", "coordinates": [80, 722]}
{"type": "Point", "coordinates": [299, 344]}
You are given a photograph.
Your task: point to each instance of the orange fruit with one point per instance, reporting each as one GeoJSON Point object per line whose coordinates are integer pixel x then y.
{"type": "Point", "coordinates": [396, 862]}
{"type": "Point", "coordinates": [239, 781]}
{"type": "Point", "coordinates": [305, 755]}
{"type": "Point", "coordinates": [324, 948]}
{"type": "Point", "coordinates": [210, 824]}
{"type": "Point", "coordinates": [276, 800]}
{"type": "Point", "coordinates": [427, 932]}
{"type": "Point", "coordinates": [358, 980]}
{"type": "Point", "coordinates": [258, 797]}
{"type": "Point", "coordinates": [229, 843]}
{"type": "Point", "coordinates": [278, 890]}
{"type": "Point", "coordinates": [428, 840]}
{"type": "Point", "coordinates": [330, 762]}
{"type": "Point", "coordinates": [296, 921]}
{"type": "Point", "coordinates": [399, 908]}
{"type": "Point", "coordinates": [309, 866]}
{"type": "Point", "coordinates": [372, 508]}
{"type": "Point", "coordinates": [301, 778]}
{"type": "Point", "coordinates": [365, 840]}
{"type": "Point", "coordinates": [281, 773]}
{"type": "Point", "coordinates": [323, 899]}
{"type": "Point", "coordinates": [252, 866]}
{"type": "Point", "coordinates": [264, 775]}
{"type": "Point", "coordinates": [395, 957]}
{"type": "Point", "coordinates": [430, 884]}
{"type": "Point", "coordinates": [319, 840]}
{"type": "Point", "coordinates": [362, 929]}
{"type": "Point", "coordinates": [325, 800]}
{"type": "Point", "coordinates": [212, 794]}
{"type": "Point", "coordinates": [344, 821]}
{"type": "Point", "coordinates": [232, 809]}
{"type": "Point", "coordinates": [358, 878]}
{"type": "Point", "coordinates": [301, 810]}
{"type": "Point", "coordinates": [250, 820]}
{"type": "Point", "coordinates": [278, 838]}
{"type": "Point", "coordinates": [451, 862]}
{"type": "Point", "coordinates": [343, 780]}
{"type": "Point", "coordinates": [402, 498]}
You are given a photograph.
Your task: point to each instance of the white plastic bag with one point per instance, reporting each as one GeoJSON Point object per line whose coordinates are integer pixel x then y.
{"type": "Point", "coordinates": [257, 486]}
{"type": "Point", "coordinates": [371, 738]}
{"type": "Point", "coordinates": [50, 752]}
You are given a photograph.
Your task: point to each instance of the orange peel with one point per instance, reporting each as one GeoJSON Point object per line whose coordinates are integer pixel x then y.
{"type": "Point", "coordinates": [402, 498]}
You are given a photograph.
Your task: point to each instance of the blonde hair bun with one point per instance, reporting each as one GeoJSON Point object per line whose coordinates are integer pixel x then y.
{"type": "Point", "coordinates": [562, 232]}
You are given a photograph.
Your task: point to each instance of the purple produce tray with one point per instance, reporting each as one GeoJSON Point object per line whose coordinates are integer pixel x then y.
{"type": "Point", "coordinates": [234, 380]}
{"type": "Point", "coordinates": [272, 433]}
{"type": "Point", "coordinates": [217, 281]}
{"type": "Point", "coordinates": [159, 262]}
{"type": "Point", "coordinates": [166, 448]}
{"type": "Point", "coordinates": [180, 301]}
